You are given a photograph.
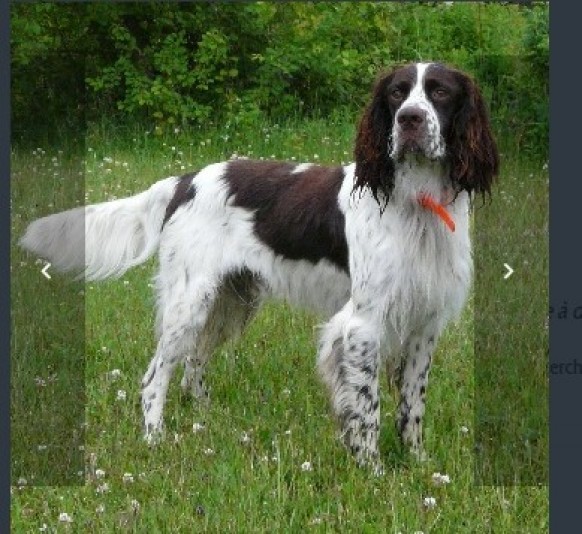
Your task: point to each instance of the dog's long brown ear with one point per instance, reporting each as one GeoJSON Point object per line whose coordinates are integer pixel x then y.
{"type": "Point", "coordinates": [374, 168]}
{"type": "Point", "coordinates": [472, 149]}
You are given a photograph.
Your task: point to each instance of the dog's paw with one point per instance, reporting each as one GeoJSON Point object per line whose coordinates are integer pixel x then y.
{"type": "Point", "coordinates": [153, 435]}
{"type": "Point", "coordinates": [419, 454]}
{"type": "Point", "coordinates": [378, 469]}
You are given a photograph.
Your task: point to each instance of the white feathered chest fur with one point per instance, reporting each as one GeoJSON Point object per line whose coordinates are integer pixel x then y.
{"type": "Point", "coordinates": [404, 261]}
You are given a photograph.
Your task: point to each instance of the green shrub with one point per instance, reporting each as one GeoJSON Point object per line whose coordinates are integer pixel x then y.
{"type": "Point", "coordinates": [180, 64]}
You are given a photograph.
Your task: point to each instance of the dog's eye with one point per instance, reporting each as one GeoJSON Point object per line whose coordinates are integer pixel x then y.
{"type": "Point", "coordinates": [397, 94]}
{"type": "Point", "coordinates": [440, 93]}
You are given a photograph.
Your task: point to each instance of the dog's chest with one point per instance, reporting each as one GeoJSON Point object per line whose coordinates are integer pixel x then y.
{"type": "Point", "coordinates": [410, 265]}
{"type": "Point", "coordinates": [424, 267]}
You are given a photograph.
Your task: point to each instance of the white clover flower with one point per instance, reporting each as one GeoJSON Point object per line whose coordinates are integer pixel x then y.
{"type": "Point", "coordinates": [198, 427]}
{"type": "Point", "coordinates": [440, 480]}
{"type": "Point", "coordinates": [208, 452]}
{"type": "Point", "coordinates": [245, 438]}
{"type": "Point", "coordinates": [464, 430]}
{"type": "Point", "coordinates": [21, 481]}
{"type": "Point", "coordinates": [99, 473]}
{"type": "Point", "coordinates": [102, 488]}
{"type": "Point", "coordinates": [40, 382]}
{"type": "Point", "coordinates": [135, 506]}
{"type": "Point", "coordinates": [115, 373]}
{"type": "Point", "coordinates": [65, 518]}
{"type": "Point", "coordinates": [429, 503]}
{"type": "Point", "coordinates": [127, 478]}
{"type": "Point", "coordinates": [121, 395]}
{"type": "Point", "coordinates": [306, 466]}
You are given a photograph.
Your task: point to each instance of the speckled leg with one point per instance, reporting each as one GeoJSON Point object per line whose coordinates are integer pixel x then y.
{"type": "Point", "coordinates": [348, 364]}
{"type": "Point", "coordinates": [193, 381]}
{"type": "Point", "coordinates": [236, 303]}
{"type": "Point", "coordinates": [184, 316]}
{"type": "Point", "coordinates": [413, 382]}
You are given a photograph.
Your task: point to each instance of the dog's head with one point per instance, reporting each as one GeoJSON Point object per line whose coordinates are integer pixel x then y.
{"type": "Point", "coordinates": [426, 111]}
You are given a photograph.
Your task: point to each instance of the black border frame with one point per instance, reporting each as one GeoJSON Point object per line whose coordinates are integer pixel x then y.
{"type": "Point", "coordinates": [565, 267]}
{"type": "Point", "coordinates": [5, 266]}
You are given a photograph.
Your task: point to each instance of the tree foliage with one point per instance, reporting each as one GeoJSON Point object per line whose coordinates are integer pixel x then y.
{"type": "Point", "coordinates": [190, 63]}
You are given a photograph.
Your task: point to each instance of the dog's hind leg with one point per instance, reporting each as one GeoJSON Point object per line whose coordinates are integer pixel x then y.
{"type": "Point", "coordinates": [186, 304]}
{"type": "Point", "coordinates": [236, 303]}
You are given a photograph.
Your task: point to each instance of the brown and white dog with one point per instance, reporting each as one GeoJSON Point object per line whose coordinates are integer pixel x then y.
{"type": "Point", "coordinates": [381, 247]}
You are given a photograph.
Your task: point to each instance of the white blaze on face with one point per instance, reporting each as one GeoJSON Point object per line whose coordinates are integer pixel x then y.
{"type": "Point", "coordinates": [430, 137]}
{"type": "Point", "coordinates": [417, 96]}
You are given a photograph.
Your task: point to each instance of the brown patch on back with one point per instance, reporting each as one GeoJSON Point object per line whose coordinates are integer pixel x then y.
{"type": "Point", "coordinates": [185, 192]}
{"type": "Point", "coordinates": [297, 215]}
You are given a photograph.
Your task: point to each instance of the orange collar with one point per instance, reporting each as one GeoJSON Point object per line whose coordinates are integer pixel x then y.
{"type": "Point", "coordinates": [437, 208]}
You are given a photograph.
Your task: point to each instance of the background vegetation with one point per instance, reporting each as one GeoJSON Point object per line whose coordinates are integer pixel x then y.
{"type": "Point", "coordinates": [109, 97]}
{"type": "Point", "coordinates": [190, 64]}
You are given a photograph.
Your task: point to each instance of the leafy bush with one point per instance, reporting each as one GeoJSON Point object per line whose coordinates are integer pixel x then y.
{"type": "Point", "coordinates": [190, 63]}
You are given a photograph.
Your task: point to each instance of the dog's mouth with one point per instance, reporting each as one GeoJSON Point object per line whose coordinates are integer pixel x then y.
{"type": "Point", "coordinates": [415, 147]}
{"type": "Point", "coordinates": [412, 145]}
{"type": "Point", "coordinates": [408, 146]}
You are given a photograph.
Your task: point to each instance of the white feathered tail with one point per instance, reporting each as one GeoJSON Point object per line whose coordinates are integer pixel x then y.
{"type": "Point", "coordinates": [102, 240]}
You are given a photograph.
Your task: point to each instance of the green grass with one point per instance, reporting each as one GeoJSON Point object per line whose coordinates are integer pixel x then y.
{"type": "Point", "coordinates": [511, 331]}
{"type": "Point", "coordinates": [264, 387]}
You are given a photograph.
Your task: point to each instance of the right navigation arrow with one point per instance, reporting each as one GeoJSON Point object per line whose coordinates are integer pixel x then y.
{"type": "Point", "coordinates": [509, 271]}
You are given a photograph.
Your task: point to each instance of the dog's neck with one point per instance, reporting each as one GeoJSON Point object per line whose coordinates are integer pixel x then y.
{"type": "Point", "coordinates": [417, 176]}
{"type": "Point", "coordinates": [423, 185]}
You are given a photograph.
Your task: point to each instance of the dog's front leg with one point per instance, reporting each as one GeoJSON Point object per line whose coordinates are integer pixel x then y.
{"type": "Point", "coordinates": [348, 363]}
{"type": "Point", "coordinates": [413, 382]}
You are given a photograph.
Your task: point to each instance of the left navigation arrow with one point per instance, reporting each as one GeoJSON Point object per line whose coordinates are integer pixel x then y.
{"type": "Point", "coordinates": [44, 271]}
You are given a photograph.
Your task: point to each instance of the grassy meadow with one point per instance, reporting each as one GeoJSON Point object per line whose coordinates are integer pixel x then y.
{"type": "Point", "coordinates": [263, 457]}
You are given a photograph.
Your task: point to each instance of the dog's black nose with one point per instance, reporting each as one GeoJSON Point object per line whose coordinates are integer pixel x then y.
{"type": "Point", "coordinates": [411, 118]}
